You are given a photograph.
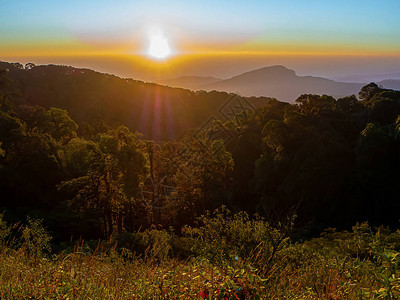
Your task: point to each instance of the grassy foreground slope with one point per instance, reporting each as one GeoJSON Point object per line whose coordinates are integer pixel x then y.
{"type": "Point", "coordinates": [234, 258]}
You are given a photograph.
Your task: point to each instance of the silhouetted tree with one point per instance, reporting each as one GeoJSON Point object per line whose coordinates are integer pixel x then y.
{"type": "Point", "coordinates": [368, 91]}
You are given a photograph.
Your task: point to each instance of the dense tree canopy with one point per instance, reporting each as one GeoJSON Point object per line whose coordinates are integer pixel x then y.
{"type": "Point", "coordinates": [331, 162]}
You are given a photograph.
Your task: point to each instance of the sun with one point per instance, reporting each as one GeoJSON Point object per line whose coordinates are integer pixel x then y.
{"type": "Point", "coordinates": [159, 47]}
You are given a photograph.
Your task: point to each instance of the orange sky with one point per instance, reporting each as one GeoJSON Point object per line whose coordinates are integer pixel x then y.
{"type": "Point", "coordinates": [221, 66]}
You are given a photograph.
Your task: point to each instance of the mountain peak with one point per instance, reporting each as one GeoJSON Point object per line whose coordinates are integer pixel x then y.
{"type": "Point", "coordinates": [276, 68]}
{"type": "Point", "coordinates": [277, 72]}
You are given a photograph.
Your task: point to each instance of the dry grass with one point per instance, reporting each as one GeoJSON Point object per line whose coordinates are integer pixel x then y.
{"type": "Point", "coordinates": [338, 265]}
{"type": "Point", "coordinates": [100, 276]}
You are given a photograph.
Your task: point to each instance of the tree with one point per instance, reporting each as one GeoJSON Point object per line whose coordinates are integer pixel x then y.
{"type": "Point", "coordinates": [368, 91]}
{"type": "Point", "coordinates": [29, 66]}
{"type": "Point", "coordinates": [58, 124]}
{"type": "Point", "coordinates": [315, 104]}
{"type": "Point", "coordinates": [77, 157]}
{"type": "Point", "coordinates": [349, 105]}
{"type": "Point", "coordinates": [111, 185]}
{"type": "Point", "coordinates": [303, 157]}
{"type": "Point", "coordinates": [201, 181]}
{"type": "Point", "coordinates": [8, 93]}
{"type": "Point", "coordinates": [1, 151]}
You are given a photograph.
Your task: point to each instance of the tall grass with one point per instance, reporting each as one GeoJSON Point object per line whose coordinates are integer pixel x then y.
{"type": "Point", "coordinates": [234, 262]}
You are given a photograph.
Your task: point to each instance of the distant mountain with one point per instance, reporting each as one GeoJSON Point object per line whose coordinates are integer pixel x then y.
{"type": "Point", "coordinates": [281, 83]}
{"type": "Point", "coordinates": [367, 78]}
{"type": "Point", "coordinates": [189, 82]}
{"type": "Point", "coordinates": [390, 84]}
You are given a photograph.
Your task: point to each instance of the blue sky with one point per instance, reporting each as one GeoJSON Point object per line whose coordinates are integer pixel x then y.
{"type": "Point", "coordinates": [341, 23]}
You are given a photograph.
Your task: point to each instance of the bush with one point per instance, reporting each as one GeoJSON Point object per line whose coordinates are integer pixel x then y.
{"type": "Point", "coordinates": [158, 244]}
{"type": "Point", "coordinates": [224, 237]}
{"type": "Point", "coordinates": [150, 244]}
{"type": "Point", "coordinates": [5, 230]}
{"type": "Point", "coordinates": [35, 240]}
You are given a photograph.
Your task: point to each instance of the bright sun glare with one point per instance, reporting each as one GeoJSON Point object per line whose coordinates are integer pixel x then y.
{"type": "Point", "coordinates": [159, 47]}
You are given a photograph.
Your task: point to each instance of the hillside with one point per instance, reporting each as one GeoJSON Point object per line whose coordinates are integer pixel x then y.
{"type": "Point", "coordinates": [157, 111]}
{"type": "Point", "coordinates": [96, 179]}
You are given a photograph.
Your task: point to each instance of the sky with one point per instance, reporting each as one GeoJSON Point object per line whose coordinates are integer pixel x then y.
{"type": "Point", "coordinates": [216, 38]}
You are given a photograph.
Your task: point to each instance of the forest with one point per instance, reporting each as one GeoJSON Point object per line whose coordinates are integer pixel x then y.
{"type": "Point", "coordinates": [249, 195]}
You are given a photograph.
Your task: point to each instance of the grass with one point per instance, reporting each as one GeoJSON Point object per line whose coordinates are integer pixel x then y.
{"type": "Point", "coordinates": [361, 264]}
{"type": "Point", "coordinates": [81, 276]}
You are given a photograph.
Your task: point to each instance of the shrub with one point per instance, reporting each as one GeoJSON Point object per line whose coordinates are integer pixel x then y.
{"type": "Point", "coordinates": [224, 237]}
{"type": "Point", "coordinates": [158, 244]}
{"type": "Point", "coordinates": [151, 244]}
{"type": "Point", "coordinates": [35, 240]}
{"type": "Point", "coordinates": [5, 230]}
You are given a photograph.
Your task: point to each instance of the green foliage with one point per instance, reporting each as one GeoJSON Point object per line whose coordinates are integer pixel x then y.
{"type": "Point", "coordinates": [159, 244]}
{"type": "Point", "coordinates": [5, 230]}
{"type": "Point", "coordinates": [2, 152]}
{"type": "Point", "coordinates": [224, 238]}
{"type": "Point", "coordinates": [388, 276]}
{"type": "Point", "coordinates": [361, 264]}
{"type": "Point", "coordinates": [204, 169]}
{"type": "Point", "coordinates": [59, 125]}
{"type": "Point", "coordinates": [76, 157]}
{"type": "Point", "coordinates": [11, 129]}
{"type": "Point", "coordinates": [35, 239]}
{"type": "Point", "coordinates": [368, 91]}
{"type": "Point", "coordinates": [331, 162]}
{"type": "Point", "coordinates": [114, 168]}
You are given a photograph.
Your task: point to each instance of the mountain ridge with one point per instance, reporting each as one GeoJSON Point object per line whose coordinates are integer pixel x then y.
{"type": "Point", "coordinates": [360, 78]}
{"type": "Point", "coordinates": [158, 112]}
{"type": "Point", "coordinates": [279, 82]}
{"type": "Point", "coordinates": [190, 81]}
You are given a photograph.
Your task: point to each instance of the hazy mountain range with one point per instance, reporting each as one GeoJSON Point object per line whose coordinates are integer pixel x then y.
{"type": "Point", "coordinates": [393, 84]}
{"type": "Point", "coordinates": [367, 78]}
{"type": "Point", "coordinates": [190, 82]}
{"type": "Point", "coordinates": [275, 81]}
